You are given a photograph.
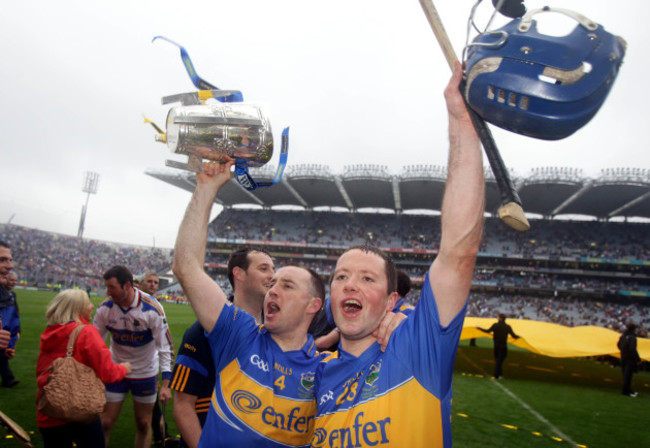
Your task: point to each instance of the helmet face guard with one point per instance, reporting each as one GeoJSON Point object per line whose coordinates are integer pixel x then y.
{"type": "Point", "coordinates": [538, 85]}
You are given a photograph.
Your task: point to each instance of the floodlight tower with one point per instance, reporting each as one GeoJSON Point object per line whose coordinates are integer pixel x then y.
{"type": "Point", "coordinates": [91, 180]}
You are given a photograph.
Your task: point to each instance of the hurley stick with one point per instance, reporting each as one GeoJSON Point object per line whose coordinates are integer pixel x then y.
{"type": "Point", "coordinates": [510, 211]}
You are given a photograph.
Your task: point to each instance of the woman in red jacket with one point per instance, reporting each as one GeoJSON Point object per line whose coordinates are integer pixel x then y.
{"type": "Point", "coordinates": [67, 310]}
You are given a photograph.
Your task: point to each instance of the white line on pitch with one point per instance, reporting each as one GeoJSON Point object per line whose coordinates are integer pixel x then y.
{"type": "Point", "coordinates": [536, 414]}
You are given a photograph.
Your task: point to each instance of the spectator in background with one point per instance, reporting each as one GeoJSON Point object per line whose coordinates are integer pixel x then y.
{"type": "Point", "coordinates": [403, 288]}
{"type": "Point", "coordinates": [630, 358]}
{"type": "Point", "coordinates": [140, 335]}
{"type": "Point", "coordinates": [69, 309]}
{"type": "Point", "coordinates": [150, 283]}
{"type": "Point", "coordinates": [500, 331]}
{"type": "Point", "coordinates": [6, 265]}
{"type": "Point", "coordinates": [10, 322]}
{"type": "Point", "coordinates": [6, 261]}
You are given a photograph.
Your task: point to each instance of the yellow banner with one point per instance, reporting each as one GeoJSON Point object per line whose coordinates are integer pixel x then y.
{"type": "Point", "coordinates": [556, 340]}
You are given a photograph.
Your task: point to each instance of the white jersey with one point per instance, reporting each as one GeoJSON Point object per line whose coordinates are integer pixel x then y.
{"type": "Point", "coordinates": [139, 335]}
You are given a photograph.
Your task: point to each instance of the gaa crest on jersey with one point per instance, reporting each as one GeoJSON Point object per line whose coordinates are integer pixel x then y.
{"type": "Point", "coordinates": [374, 374]}
{"type": "Point", "coordinates": [307, 380]}
{"type": "Point", "coordinates": [369, 388]}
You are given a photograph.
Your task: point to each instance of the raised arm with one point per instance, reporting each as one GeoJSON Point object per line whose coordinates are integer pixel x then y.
{"type": "Point", "coordinates": [463, 205]}
{"type": "Point", "coordinates": [205, 295]}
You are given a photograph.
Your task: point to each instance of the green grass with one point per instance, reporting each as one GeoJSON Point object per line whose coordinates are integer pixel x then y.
{"type": "Point", "coordinates": [578, 397]}
{"type": "Point", "coordinates": [19, 403]}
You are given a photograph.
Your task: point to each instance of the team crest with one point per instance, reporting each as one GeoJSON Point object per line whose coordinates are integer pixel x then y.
{"type": "Point", "coordinates": [374, 374]}
{"type": "Point", "coordinates": [307, 380]}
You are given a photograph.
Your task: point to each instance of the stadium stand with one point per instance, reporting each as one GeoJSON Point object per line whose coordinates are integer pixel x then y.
{"type": "Point", "coordinates": [566, 272]}
{"type": "Point", "coordinates": [55, 261]}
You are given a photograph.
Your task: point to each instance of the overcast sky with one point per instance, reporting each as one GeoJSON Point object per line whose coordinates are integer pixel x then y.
{"type": "Point", "coordinates": [358, 81]}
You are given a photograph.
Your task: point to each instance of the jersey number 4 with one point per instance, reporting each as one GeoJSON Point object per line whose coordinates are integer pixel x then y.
{"type": "Point", "coordinates": [279, 383]}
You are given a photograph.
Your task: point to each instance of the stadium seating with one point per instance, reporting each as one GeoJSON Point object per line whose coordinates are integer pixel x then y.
{"type": "Point", "coordinates": [567, 272]}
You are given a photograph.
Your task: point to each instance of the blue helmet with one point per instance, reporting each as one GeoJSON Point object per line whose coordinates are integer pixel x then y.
{"type": "Point", "coordinates": [538, 85]}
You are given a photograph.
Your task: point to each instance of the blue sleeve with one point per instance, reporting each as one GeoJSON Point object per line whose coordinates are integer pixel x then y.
{"type": "Point", "coordinates": [402, 306]}
{"type": "Point", "coordinates": [234, 330]}
{"type": "Point", "coordinates": [11, 323]}
{"type": "Point", "coordinates": [426, 346]}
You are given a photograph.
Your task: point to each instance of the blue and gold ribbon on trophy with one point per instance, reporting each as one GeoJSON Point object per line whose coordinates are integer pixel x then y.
{"type": "Point", "coordinates": [203, 129]}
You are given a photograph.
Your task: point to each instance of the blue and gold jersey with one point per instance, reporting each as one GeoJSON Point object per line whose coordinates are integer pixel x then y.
{"type": "Point", "coordinates": [262, 396]}
{"type": "Point", "coordinates": [402, 306]}
{"type": "Point", "coordinates": [399, 398]}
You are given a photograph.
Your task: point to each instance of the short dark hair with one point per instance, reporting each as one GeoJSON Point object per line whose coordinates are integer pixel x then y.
{"type": "Point", "coordinates": [403, 283]}
{"type": "Point", "coordinates": [389, 264]}
{"type": "Point", "coordinates": [239, 259]}
{"type": "Point", "coordinates": [316, 288]}
{"type": "Point", "coordinates": [121, 273]}
{"type": "Point", "coordinates": [317, 285]}
{"type": "Point", "coordinates": [5, 245]}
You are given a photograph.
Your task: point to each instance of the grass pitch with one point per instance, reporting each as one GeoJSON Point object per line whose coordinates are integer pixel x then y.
{"type": "Point", "coordinates": [542, 402]}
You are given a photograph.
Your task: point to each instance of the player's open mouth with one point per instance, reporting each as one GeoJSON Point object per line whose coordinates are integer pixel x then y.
{"type": "Point", "coordinates": [351, 306]}
{"type": "Point", "coordinates": [271, 309]}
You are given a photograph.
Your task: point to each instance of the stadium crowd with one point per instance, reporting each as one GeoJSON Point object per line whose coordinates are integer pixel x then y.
{"type": "Point", "coordinates": [61, 261]}
{"type": "Point", "coordinates": [511, 276]}
{"type": "Point", "coordinates": [554, 238]}
{"type": "Point", "coordinates": [57, 261]}
{"type": "Point", "coordinates": [568, 312]}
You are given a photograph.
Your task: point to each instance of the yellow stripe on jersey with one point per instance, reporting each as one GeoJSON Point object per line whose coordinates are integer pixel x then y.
{"type": "Point", "coordinates": [170, 341]}
{"type": "Point", "coordinates": [180, 378]}
{"type": "Point", "coordinates": [153, 303]}
{"type": "Point", "coordinates": [202, 405]}
{"type": "Point", "coordinates": [158, 307]}
{"type": "Point", "coordinates": [330, 355]}
{"type": "Point", "coordinates": [284, 420]}
{"type": "Point", "coordinates": [398, 418]}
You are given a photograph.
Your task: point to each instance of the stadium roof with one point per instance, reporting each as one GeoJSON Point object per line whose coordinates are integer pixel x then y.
{"type": "Point", "coordinates": [548, 191]}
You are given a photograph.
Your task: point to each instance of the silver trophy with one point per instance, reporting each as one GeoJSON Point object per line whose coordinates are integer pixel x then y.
{"type": "Point", "coordinates": [226, 127]}
{"type": "Point", "coordinates": [203, 130]}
